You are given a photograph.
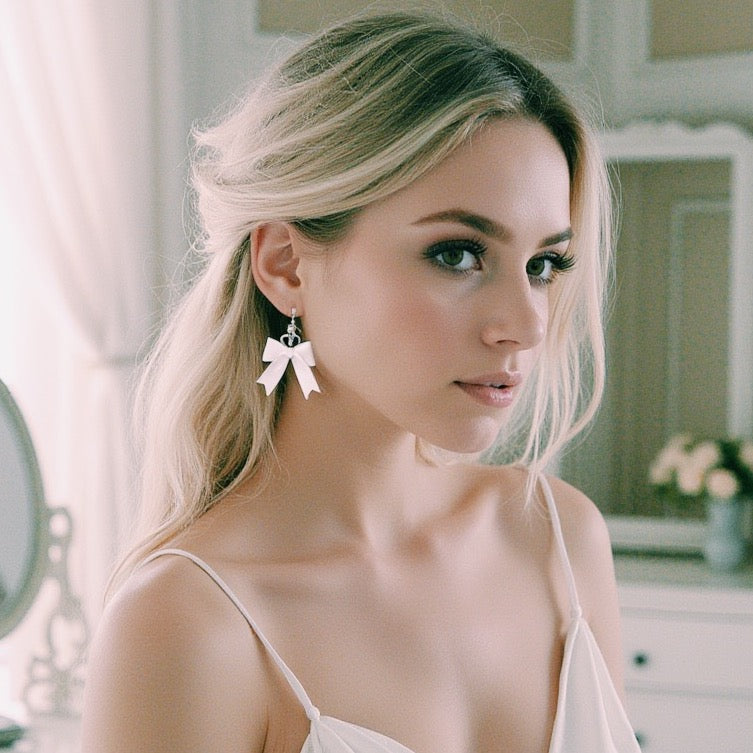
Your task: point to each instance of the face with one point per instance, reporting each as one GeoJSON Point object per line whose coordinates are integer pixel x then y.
{"type": "Point", "coordinates": [431, 313]}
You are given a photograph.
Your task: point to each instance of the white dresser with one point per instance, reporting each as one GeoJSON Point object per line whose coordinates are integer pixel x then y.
{"type": "Point", "coordinates": [688, 637]}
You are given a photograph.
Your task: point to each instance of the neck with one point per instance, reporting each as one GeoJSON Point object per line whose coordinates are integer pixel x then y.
{"type": "Point", "coordinates": [344, 472]}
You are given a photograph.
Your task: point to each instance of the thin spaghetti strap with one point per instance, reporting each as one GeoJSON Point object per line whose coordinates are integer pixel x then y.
{"type": "Point", "coordinates": [311, 711]}
{"type": "Point", "coordinates": [575, 608]}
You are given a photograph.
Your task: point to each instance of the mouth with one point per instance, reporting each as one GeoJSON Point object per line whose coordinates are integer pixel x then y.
{"type": "Point", "coordinates": [498, 380]}
{"type": "Point", "coordinates": [492, 390]}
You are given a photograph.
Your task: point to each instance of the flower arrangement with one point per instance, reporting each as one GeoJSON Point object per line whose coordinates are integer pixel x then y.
{"type": "Point", "coordinates": [720, 468]}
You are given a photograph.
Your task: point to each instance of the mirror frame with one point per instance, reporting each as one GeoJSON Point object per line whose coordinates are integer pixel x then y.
{"type": "Point", "coordinates": [656, 141]}
{"type": "Point", "coordinates": [20, 600]}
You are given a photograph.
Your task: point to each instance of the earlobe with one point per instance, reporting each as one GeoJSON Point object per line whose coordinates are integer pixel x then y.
{"type": "Point", "coordinates": [274, 264]}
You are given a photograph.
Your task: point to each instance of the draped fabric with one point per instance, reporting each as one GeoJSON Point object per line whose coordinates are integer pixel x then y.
{"type": "Point", "coordinates": [78, 86]}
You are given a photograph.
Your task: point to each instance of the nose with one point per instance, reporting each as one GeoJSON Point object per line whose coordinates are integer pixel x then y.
{"type": "Point", "coordinates": [518, 314]}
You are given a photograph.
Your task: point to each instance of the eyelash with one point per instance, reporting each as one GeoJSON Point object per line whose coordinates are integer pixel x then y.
{"type": "Point", "coordinates": [559, 262]}
{"type": "Point", "coordinates": [470, 245]}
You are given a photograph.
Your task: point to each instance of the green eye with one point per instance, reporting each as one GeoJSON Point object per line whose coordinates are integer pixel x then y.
{"type": "Point", "coordinates": [538, 267]}
{"type": "Point", "coordinates": [456, 256]}
{"type": "Point", "coordinates": [545, 268]}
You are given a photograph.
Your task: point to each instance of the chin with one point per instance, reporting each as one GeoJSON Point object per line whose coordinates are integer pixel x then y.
{"type": "Point", "coordinates": [472, 443]}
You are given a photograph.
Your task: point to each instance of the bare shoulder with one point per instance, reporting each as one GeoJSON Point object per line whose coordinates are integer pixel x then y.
{"type": "Point", "coordinates": [590, 553]}
{"type": "Point", "coordinates": [583, 525]}
{"type": "Point", "coordinates": [173, 668]}
{"type": "Point", "coordinates": [584, 529]}
{"type": "Point", "coordinates": [586, 540]}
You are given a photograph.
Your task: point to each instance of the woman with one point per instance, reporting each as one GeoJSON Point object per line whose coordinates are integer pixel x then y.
{"type": "Point", "coordinates": [418, 220]}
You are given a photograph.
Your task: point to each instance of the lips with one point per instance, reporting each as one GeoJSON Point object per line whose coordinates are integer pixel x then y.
{"type": "Point", "coordinates": [499, 380]}
{"type": "Point", "coordinates": [496, 390]}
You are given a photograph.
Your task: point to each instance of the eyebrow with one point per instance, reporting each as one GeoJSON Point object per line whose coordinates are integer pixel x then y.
{"type": "Point", "coordinates": [487, 226]}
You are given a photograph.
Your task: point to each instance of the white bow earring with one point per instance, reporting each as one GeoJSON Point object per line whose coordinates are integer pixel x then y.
{"type": "Point", "coordinates": [281, 352]}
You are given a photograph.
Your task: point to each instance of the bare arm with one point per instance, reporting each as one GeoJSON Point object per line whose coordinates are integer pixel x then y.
{"type": "Point", "coordinates": [173, 669]}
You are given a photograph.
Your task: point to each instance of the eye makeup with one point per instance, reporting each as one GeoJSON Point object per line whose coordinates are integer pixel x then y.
{"type": "Point", "coordinates": [457, 256]}
{"type": "Point", "coordinates": [544, 268]}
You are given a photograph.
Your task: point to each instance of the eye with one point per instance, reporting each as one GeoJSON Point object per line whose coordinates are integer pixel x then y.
{"type": "Point", "coordinates": [457, 255]}
{"type": "Point", "coordinates": [545, 268]}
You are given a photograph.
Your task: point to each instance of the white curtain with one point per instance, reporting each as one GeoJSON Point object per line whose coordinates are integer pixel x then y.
{"type": "Point", "coordinates": [80, 94]}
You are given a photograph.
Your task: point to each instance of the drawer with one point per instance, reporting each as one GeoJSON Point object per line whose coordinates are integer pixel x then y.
{"type": "Point", "coordinates": [683, 652]}
{"type": "Point", "coordinates": [666, 723]}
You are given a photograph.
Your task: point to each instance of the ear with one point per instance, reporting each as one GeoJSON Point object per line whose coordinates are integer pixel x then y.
{"type": "Point", "coordinates": [274, 263]}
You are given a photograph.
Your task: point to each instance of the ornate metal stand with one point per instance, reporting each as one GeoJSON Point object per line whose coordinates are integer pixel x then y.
{"type": "Point", "coordinates": [56, 679]}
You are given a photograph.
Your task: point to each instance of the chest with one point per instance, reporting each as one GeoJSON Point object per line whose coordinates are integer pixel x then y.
{"type": "Point", "coordinates": [447, 661]}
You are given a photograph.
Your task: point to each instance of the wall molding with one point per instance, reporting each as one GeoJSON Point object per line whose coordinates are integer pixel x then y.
{"type": "Point", "coordinates": [680, 212]}
{"type": "Point", "coordinates": [652, 140]}
{"type": "Point", "coordinates": [706, 85]}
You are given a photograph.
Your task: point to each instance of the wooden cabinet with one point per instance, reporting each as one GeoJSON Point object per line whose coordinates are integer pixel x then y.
{"type": "Point", "coordinates": [688, 640]}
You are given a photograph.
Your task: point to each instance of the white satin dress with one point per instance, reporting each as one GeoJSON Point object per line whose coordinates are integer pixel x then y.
{"type": "Point", "coordinates": [589, 718]}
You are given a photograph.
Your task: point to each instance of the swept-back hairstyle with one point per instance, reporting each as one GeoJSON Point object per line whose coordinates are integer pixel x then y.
{"type": "Point", "coordinates": [357, 113]}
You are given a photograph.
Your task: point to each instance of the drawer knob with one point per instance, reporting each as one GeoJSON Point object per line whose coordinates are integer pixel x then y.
{"type": "Point", "coordinates": [641, 659]}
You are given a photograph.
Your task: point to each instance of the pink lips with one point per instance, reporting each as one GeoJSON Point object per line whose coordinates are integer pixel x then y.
{"type": "Point", "coordinates": [495, 390]}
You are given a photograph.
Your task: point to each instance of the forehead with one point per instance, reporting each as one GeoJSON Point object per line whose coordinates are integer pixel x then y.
{"type": "Point", "coordinates": [512, 171]}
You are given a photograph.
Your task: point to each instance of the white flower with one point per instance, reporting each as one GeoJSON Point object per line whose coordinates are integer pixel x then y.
{"type": "Point", "coordinates": [722, 484]}
{"type": "Point", "coordinates": [706, 455]}
{"type": "Point", "coordinates": [690, 479]}
{"type": "Point", "coordinates": [679, 441]}
{"type": "Point", "coordinates": [667, 463]}
{"type": "Point", "coordinates": [672, 458]}
{"type": "Point", "coordinates": [659, 473]}
{"type": "Point", "coordinates": [746, 454]}
{"type": "Point", "coordinates": [695, 469]}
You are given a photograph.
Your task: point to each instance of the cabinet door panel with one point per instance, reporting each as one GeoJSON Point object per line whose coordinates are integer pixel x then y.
{"type": "Point", "coordinates": [688, 724]}
{"type": "Point", "coordinates": [700, 654]}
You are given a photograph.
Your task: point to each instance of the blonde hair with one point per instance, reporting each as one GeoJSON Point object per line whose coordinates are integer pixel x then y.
{"type": "Point", "coordinates": [357, 113]}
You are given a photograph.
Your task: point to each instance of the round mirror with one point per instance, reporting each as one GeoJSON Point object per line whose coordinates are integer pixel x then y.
{"type": "Point", "coordinates": [23, 517]}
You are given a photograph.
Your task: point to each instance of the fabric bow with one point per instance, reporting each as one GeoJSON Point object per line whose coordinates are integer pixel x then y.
{"type": "Point", "coordinates": [302, 356]}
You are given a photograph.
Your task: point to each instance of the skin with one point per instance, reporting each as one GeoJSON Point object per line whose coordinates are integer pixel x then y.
{"type": "Point", "coordinates": [422, 602]}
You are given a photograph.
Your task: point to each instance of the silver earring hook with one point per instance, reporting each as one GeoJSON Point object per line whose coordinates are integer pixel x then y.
{"type": "Point", "coordinates": [293, 335]}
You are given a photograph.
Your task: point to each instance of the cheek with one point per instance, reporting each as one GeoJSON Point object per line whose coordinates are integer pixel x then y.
{"type": "Point", "coordinates": [379, 324]}
{"type": "Point", "coordinates": [412, 322]}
